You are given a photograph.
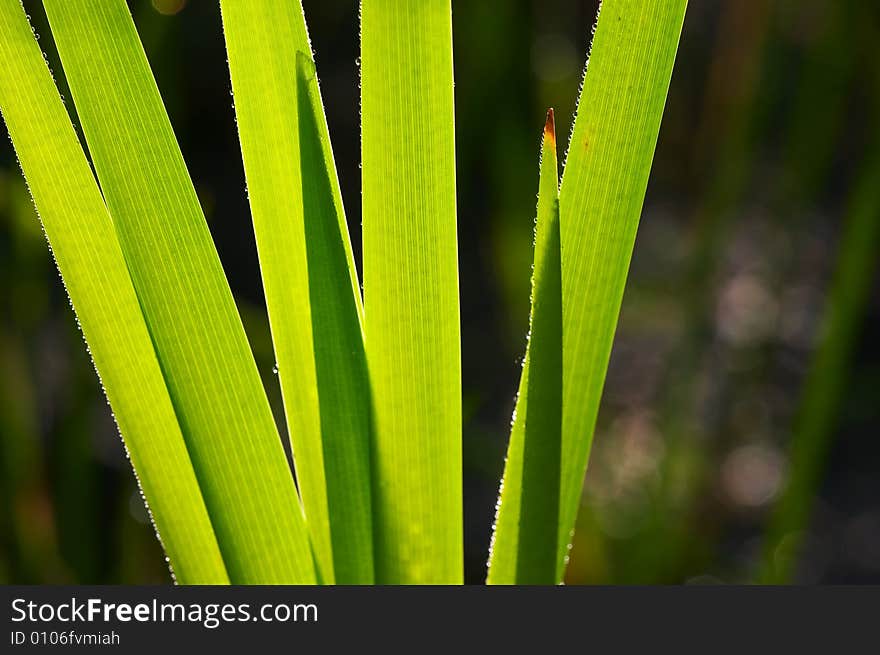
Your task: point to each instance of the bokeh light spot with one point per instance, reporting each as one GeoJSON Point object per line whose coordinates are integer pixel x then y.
{"type": "Point", "coordinates": [168, 7]}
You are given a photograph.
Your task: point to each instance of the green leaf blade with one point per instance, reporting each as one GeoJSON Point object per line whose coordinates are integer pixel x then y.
{"type": "Point", "coordinates": [309, 278]}
{"type": "Point", "coordinates": [210, 370]}
{"type": "Point", "coordinates": [90, 260]}
{"type": "Point", "coordinates": [411, 288]}
{"type": "Point", "coordinates": [340, 354]}
{"type": "Point", "coordinates": [600, 200]}
{"type": "Point", "coordinates": [524, 546]}
{"type": "Point", "coordinates": [603, 188]}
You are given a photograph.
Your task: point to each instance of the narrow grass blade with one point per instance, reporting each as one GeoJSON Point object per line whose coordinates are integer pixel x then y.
{"type": "Point", "coordinates": [411, 288]}
{"type": "Point", "coordinates": [87, 252]}
{"type": "Point", "coordinates": [825, 383]}
{"type": "Point", "coordinates": [600, 200]}
{"type": "Point", "coordinates": [309, 277]}
{"type": "Point", "coordinates": [209, 368]}
{"type": "Point", "coordinates": [525, 540]}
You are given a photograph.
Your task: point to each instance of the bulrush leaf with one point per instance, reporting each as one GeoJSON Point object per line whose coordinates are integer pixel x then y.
{"type": "Point", "coordinates": [309, 277]}
{"type": "Point", "coordinates": [190, 313]}
{"type": "Point", "coordinates": [526, 529]}
{"type": "Point", "coordinates": [82, 237]}
{"type": "Point", "coordinates": [411, 288]}
{"type": "Point", "coordinates": [600, 201]}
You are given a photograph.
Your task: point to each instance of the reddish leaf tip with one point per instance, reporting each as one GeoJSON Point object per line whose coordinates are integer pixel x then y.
{"type": "Point", "coordinates": [550, 127]}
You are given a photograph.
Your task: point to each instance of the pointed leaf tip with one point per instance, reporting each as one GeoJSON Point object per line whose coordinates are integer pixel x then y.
{"type": "Point", "coordinates": [550, 127]}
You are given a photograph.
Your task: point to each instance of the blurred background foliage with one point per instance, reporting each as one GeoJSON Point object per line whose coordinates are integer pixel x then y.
{"type": "Point", "coordinates": [738, 435]}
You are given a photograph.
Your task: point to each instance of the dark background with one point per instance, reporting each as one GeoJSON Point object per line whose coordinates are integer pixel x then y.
{"type": "Point", "coordinates": [770, 128]}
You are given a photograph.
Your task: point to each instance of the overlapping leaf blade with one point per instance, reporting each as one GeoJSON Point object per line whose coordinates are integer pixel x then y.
{"type": "Point", "coordinates": [87, 252]}
{"type": "Point", "coordinates": [180, 284]}
{"type": "Point", "coordinates": [162, 261]}
{"type": "Point", "coordinates": [600, 200]}
{"type": "Point", "coordinates": [309, 277]}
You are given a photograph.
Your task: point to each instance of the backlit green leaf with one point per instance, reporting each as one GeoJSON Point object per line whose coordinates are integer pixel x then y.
{"type": "Point", "coordinates": [87, 252]}
{"type": "Point", "coordinates": [309, 277]}
{"type": "Point", "coordinates": [411, 288]}
{"type": "Point", "coordinates": [190, 313]}
{"type": "Point", "coordinates": [600, 201]}
{"type": "Point", "coordinates": [525, 535]}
